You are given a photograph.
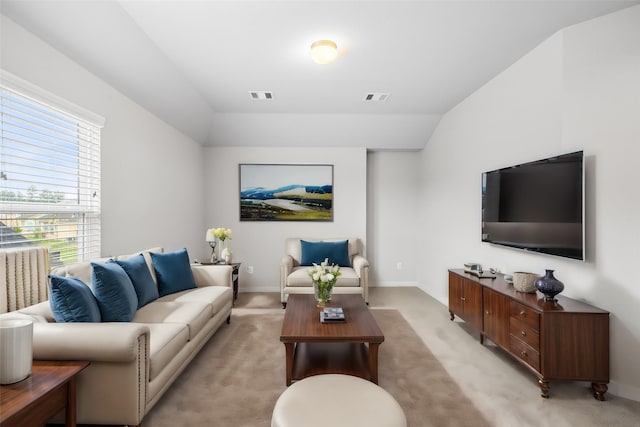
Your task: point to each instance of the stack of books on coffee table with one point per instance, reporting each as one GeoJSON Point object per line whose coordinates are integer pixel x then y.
{"type": "Point", "coordinates": [332, 315]}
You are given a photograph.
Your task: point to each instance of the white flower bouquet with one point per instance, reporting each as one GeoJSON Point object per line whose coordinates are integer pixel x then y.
{"type": "Point", "coordinates": [324, 277]}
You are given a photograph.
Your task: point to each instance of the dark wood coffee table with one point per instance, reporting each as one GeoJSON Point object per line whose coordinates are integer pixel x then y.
{"type": "Point", "coordinates": [34, 400]}
{"type": "Point", "coordinates": [314, 348]}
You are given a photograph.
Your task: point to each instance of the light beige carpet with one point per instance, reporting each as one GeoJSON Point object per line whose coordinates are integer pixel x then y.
{"type": "Point", "coordinates": [238, 376]}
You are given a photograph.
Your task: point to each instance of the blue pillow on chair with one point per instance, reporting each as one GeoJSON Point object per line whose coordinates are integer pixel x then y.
{"type": "Point", "coordinates": [138, 271]}
{"type": "Point", "coordinates": [173, 271]}
{"type": "Point", "coordinates": [316, 252]}
{"type": "Point", "coordinates": [114, 291]}
{"type": "Point", "coordinates": [71, 300]}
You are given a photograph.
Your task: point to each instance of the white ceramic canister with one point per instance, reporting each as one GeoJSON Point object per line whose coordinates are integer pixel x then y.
{"type": "Point", "coordinates": [16, 357]}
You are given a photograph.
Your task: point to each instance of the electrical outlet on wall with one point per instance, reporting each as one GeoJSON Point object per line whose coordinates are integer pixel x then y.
{"type": "Point", "coordinates": [250, 269]}
{"type": "Point", "coordinates": [399, 265]}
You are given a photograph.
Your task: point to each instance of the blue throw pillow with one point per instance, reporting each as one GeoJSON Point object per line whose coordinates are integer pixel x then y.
{"type": "Point", "coordinates": [138, 271]}
{"type": "Point", "coordinates": [114, 292]}
{"type": "Point", "coordinates": [71, 300]}
{"type": "Point", "coordinates": [316, 252]}
{"type": "Point", "coordinates": [173, 271]}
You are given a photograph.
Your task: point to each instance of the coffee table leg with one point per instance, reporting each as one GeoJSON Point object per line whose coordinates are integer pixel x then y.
{"type": "Point", "coordinates": [373, 361]}
{"type": "Point", "coordinates": [70, 410]}
{"type": "Point", "coordinates": [288, 348]}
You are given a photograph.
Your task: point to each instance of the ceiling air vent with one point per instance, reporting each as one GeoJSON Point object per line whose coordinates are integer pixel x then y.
{"type": "Point", "coordinates": [376, 96]}
{"type": "Point", "coordinates": [261, 95]}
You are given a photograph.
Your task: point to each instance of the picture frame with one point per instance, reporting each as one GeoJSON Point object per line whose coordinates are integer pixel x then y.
{"type": "Point", "coordinates": [286, 192]}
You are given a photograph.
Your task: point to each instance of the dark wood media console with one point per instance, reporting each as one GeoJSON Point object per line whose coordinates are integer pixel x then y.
{"type": "Point", "coordinates": [566, 340]}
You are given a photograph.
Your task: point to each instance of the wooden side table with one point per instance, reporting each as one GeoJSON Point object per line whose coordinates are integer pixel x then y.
{"type": "Point", "coordinates": [50, 388]}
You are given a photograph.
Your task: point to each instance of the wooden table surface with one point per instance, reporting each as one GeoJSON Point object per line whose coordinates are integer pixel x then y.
{"type": "Point", "coordinates": [34, 400]}
{"type": "Point", "coordinates": [314, 348]}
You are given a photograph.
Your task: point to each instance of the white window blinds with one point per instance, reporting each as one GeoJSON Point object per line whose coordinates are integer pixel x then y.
{"type": "Point", "coordinates": [49, 173]}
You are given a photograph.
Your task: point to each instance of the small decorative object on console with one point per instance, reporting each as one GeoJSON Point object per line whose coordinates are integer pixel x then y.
{"type": "Point", "coordinates": [524, 282]}
{"type": "Point", "coordinates": [476, 270]}
{"type": "Point", "coordinates": [472, 267]}
{"type": "Point", "coordinates": [226, 254]}
{"type": "Point", "coordinates": [549, 286]}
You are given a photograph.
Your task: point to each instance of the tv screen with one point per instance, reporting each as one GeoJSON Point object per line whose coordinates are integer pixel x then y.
{"type": "Point", "coordinates": [536, 206]}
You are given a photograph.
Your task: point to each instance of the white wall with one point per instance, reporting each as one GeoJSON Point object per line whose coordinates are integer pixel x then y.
{"type": "Point", "coordinates": [151, 174]}
{"type": "Point", "coordinates": [392, 209]}
{"type": "Point", "coordinates": [261, 244]}
{"type": "Point", "coordinates": [579, 90]}
{"type": "Point", "coordinates": [373, 131]}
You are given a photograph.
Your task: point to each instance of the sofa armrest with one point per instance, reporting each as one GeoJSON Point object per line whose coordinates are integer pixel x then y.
{"type": "Point", "coordinates": [360, 263]}
{"type": "Point", "coordinates": [286, 265]}
{"type": "Point", "coordinates": [99, 342]}
{"type": "Point", "coordinates": [361, 266]}
{"type": "Point", "coordinates": [119, 356]}
{"type": "Point", "coordinates": [213, 275]}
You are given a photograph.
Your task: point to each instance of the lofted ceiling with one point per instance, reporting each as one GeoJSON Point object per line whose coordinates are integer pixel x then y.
{"type": "Point", "coordinates": [193, 63]}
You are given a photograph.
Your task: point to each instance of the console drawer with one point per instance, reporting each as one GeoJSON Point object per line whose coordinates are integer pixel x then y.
{"type": "Point", "coordinates": [524, 352]}
{"type": "Point", "coordinates": [526, 315]}
{"type": "Point", "coordinates": [523, 332]}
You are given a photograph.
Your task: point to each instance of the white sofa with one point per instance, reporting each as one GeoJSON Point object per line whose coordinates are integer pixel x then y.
{"type": "Point", "coordinates": [294, 278]}
{"type": "Point", "coordinates": [133, 363]}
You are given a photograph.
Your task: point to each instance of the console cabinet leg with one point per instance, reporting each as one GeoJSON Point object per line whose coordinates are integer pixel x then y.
{"type": "Point", "coordinates": [544, 388]}
{"type": "Point", "coordinates": [451, 315]}
{"type": "Point", "coordinates": [599, 390]}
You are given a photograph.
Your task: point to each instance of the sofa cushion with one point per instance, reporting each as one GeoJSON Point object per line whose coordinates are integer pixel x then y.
{"type": "Point", "coordinates": [147, 257]}
{"type": "Point", "coordinates": [137, 270]}
{"type": "Point", "coordinates": [114, 292]}
{"type": "Point", "coordinates": [72, 301]}
{"type": "Point", "coordinates": [218, 296]}
{"type": "Point", "coordinates": [300, 277]}
{"type": "Point", "coordinates": [316, 252]}
{"type": "Point", "coordinates": [173, 271]}
{"type": "Point", "coordinates": [79, 270]}
{"type": "Point", "coordinates": [167, 339]}
{"type": "Point", "coordinates": [192, 314]}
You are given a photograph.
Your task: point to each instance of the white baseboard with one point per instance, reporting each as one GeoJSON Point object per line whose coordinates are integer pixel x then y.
{"type": "Point", "coordinates": [260, 289]}
{"type": "Point", "coordinates": [393, 284]}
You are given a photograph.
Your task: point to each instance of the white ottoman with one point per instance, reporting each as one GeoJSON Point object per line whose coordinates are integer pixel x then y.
{"type": "Point", "coordinates": [336, 400]}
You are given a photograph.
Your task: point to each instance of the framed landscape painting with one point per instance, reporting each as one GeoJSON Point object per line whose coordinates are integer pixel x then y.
{"type": "Point", "coordinates": [271, 192]}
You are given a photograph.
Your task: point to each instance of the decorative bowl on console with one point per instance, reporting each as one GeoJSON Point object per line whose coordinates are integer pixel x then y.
{"type": "Point", "coordinates": [524, 282]}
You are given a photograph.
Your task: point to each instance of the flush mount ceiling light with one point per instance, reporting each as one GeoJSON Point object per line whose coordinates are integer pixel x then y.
{"type": "Point", "coordinates": [324, 51]}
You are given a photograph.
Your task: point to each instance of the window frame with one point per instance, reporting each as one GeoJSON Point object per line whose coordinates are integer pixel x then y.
{"type": "Point", "coordinates": [86, 171]}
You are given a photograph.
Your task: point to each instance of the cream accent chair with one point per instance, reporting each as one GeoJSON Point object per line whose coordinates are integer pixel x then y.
{"type": "Point", "coordinates": [294, 278]}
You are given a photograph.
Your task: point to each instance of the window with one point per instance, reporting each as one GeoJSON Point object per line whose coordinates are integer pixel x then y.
{"type": "Point", "coordinates": [49, 173]}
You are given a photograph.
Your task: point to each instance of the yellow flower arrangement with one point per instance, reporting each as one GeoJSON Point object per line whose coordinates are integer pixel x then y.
{"type": "Point", "coordinates": [221, 233]}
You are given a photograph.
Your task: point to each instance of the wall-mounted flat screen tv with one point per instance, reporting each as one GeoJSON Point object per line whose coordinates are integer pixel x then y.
{"type": "Point", "coordinates": [536, 206]}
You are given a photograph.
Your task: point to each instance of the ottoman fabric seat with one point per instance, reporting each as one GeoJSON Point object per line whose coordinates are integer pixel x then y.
{"type": "Point", "coordinates": [336, 400]}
